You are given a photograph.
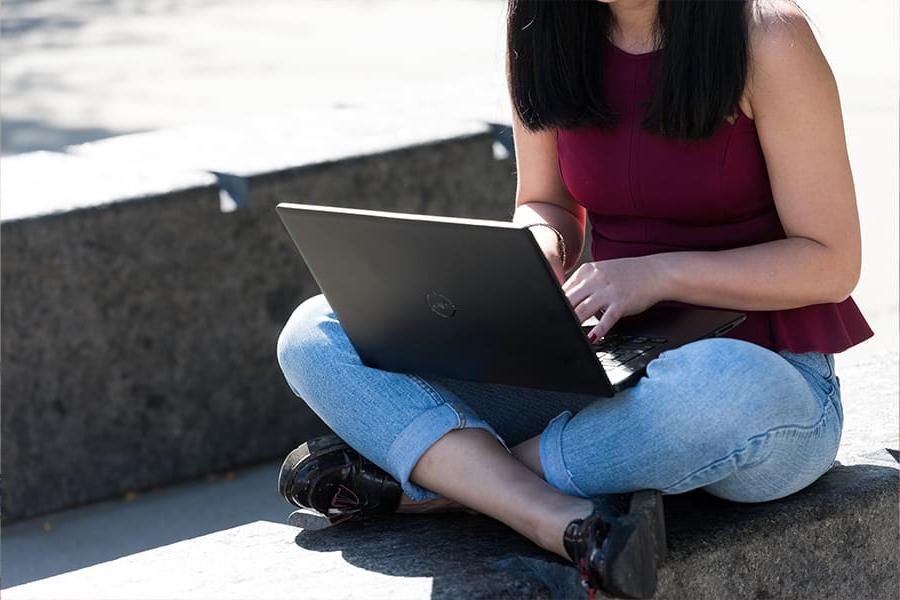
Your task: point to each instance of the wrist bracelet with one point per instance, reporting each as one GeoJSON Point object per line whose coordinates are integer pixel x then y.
{"type": "Point", "coordinates": [561, 241]}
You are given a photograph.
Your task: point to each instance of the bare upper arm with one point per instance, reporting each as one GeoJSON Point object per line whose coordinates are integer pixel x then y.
{"type": "Point", "coordinates": [797, 111]}
{"type": "Point", "coordinates": [537, 170]}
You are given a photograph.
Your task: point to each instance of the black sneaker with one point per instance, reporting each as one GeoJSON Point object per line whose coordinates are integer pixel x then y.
{"type": "Point", "coordinates": [620, 545]}
{"type": "Point", "coordinates": [332, 483]}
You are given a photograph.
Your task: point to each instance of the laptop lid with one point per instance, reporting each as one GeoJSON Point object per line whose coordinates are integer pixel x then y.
{"type": "Point", "coordinates": [447, 297]}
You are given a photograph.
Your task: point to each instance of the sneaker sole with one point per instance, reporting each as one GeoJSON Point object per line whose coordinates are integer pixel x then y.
{"type": "Point", "coordinates": [649, 504]}
{"type": "Point", "coordinates": [300, 456]}
{"type": "Point", "coordinates": [308, 520]}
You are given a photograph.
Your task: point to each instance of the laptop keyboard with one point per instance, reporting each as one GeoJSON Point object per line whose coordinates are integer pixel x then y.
{"type": "Point", "coordinates": [616, 349]}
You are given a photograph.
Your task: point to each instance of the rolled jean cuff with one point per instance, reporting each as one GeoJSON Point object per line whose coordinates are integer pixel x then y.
{"type": "Point", "coordinates": [551, 454]}
{"type": "Point", "coordinates": [427, 428]}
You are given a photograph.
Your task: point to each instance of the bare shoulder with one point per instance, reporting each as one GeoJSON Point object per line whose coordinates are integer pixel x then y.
{"type": "Point", "coordinates": [785, 57]}
{"type": "Point", "coordinates": [781, 39]}
{"type": "Point", "coordinates": [773, 14]}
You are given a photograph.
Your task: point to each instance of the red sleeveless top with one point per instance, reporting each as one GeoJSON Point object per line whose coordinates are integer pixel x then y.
{"type": "Point", "coordinates": [646, 194]}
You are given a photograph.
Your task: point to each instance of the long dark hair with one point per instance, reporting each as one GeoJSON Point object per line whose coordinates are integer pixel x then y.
{"type": "Point", "coordinates": [555, 74]}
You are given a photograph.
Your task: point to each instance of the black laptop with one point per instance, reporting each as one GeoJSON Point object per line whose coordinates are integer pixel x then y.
{"type": "Point", "coordinates": [473, 299]}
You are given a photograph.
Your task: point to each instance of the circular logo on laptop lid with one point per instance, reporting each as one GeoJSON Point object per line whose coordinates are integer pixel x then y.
{"type": "Point", "coordinates": [440, 305]}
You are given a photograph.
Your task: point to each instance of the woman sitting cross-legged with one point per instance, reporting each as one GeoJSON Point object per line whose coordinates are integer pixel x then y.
{"type": "Point", "coordinates": [703, 140]}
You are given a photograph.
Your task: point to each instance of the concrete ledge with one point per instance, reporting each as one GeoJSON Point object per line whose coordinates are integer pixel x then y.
{"type": "Point", "coordinates": [127, 168]}
{"type": "Point", "coordinates": [139, 320]}
{"type": "Point", "coordinates": [836, 539]}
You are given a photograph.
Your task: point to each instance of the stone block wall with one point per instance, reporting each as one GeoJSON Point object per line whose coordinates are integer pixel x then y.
{"type": "Point", "coordinates": [138, 342]}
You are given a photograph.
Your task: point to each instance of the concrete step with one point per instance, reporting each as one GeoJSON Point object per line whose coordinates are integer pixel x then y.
{"type": "Point", "coordinates": [836, 539]}
{"type": "Point", "coordinates": [146, 279]}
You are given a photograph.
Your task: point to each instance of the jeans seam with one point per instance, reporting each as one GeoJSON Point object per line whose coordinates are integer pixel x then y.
{"type": "Point", "coordinates": [828, 365]}
{"type": "Point", "coordinates": [432, 393]}
{"type": "Point", "coordinates": [560, 463]}
{"type": "Point", "coordinates": [570, 477]}
{"type": "Point", "coordinates": [829, 378]}
{"type": "Point", "coordinates": [774, 430]}
{"type": "Point", "coordinates": [828, 385]}
{"type": "Point", "coordinates": [439, 400]}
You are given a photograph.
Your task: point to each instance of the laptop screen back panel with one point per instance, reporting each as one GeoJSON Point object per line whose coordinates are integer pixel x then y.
{"type": "Point", "coordinates": [447, 300]}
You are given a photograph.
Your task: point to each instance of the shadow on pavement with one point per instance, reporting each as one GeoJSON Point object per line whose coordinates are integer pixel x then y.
{"type": "Point", "coordinates": [81, 537]}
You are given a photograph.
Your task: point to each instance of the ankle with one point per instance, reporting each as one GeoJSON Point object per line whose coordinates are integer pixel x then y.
{"type": "Point", "coordinates": [551, 528]}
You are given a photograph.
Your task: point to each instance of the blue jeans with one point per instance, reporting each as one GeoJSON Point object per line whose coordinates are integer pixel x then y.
{"type": "Point", "coordinates": [736, 419]}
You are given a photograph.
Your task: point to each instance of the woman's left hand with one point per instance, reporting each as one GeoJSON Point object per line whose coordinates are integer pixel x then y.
{"type": "Point", "coordinates": [617, 288]}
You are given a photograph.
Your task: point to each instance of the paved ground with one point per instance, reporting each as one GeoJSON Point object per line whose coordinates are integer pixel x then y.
{"type": "Point", "coordinates": [81, 70]}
